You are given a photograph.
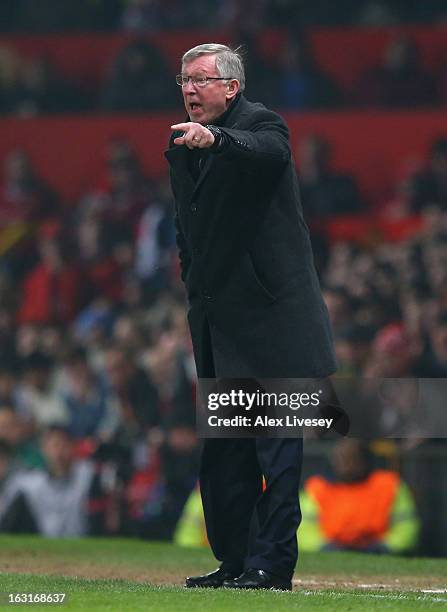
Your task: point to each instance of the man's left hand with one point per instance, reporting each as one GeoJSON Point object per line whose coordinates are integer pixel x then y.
{"type": "Point", "coordinates": [195, 136]}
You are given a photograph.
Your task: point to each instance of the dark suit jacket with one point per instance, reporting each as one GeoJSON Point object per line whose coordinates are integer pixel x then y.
{"type": "Point", "coordinates": [245, 254]}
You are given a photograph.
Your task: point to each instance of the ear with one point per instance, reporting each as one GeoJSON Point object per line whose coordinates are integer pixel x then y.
{"type": "Point", "coordinates": [232, 89]}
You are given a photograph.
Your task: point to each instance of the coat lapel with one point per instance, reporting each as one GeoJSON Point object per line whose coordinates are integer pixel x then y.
{"type": "Point", "coordinates": [205, 169]}
{"type": "Point", "coordinates": [177, 158]}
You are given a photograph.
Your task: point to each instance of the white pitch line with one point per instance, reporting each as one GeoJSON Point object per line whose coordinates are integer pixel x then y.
{"type": "Point", "coordinates": [396, 596]}
{"type": "Point", "coordinates": [372, 585]}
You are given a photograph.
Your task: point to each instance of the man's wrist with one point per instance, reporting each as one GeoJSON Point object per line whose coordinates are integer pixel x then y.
{"type": "Point", "coordinates": [218, 137]}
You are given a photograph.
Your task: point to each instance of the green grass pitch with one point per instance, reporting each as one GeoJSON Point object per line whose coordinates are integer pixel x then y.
{"type": "Point", "coordinates": [117, 574]}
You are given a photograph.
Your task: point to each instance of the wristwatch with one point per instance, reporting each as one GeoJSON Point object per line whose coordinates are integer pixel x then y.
{"type": "Point", "coordinates": [218, 136]}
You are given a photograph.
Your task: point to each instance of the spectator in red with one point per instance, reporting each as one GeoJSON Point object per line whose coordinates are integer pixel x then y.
{"type": "Point", "coordinates": [100, 250]}
{"type": "Point", "coordinates": [391, 355]}
{"type": "Point", "coordinates": [401, 80]}
{"type": "Point", "coordinates": [52, 291]}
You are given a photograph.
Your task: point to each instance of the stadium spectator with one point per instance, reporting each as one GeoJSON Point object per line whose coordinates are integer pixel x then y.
{"type": "Point", "coordinates": [14, 432]}
{"type": "Point", "coordinates": [59, 500]}
{"type": "Point", "coordinates": [300, 83]}
{"type": "Point", "coordinates": [92, 409]}
{"type": "Point", "coordinates": [140, 80]}
{"type": "Point", "coordinates": [130, 334]}
{"type": "Point", "coordinates": [429, 187]}
{"type": "Point", "coordinates": [339, 306]}
{"type": "Point", "coordinates": [360, 508]}
{"type": "Point", "coordinates": [52, 291]}
{"type": "Point", "coordinates": [92, 328]}
{"type": "Point", "coordinates": [325, 192]}
{"type": "Point", "coordinates": [154, 247]}
{"type": "Point", "coordinates": [101, 244]}
{"type": "Point", "coordinates": [26, 201]}
{"type": "Point", "coordinates": [24, 196]}
{"type": "Point", "coordinates": [36, 399]}
{"type": "Point", "coordinates": [391, 354]}
{"type": "Point", "coordinates": [116, 202]}
{"type": "Point", "coordinates": [401, 80]}
{"type": "Point", "coordinates": [352, 347]}
{"type": "Point", "coordinates": [137, 396]}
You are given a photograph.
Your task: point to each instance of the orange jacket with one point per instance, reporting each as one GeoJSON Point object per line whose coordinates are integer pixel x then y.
{"type": "Point", "coordinates": [355, 514]}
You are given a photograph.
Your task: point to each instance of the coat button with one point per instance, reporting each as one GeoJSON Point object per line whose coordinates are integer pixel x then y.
{"type": "Point", "coordinates": [194, 206]}
{"type": "Point", "coordinates": [196, 251]}
{"type": "Point", "coordinates": [206, 295]}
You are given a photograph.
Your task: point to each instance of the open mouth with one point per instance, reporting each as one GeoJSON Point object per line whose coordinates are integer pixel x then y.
{"type": "Point", "coordinates": [194, 106]}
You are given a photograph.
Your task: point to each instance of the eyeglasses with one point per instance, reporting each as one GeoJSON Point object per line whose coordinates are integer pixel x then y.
{"type": "Point", "coordinates": [199, 81]}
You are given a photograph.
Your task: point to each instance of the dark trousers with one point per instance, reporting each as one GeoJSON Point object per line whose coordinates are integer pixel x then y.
{"type": "Point", "coordinates": [246, 526]}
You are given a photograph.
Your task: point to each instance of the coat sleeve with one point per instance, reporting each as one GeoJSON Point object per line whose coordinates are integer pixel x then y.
{"type": "Point", "coordinates": [263, 143]}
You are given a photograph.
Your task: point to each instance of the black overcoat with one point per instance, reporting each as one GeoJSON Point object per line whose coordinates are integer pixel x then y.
{"type": "Point", "coordinates": [246, 260]}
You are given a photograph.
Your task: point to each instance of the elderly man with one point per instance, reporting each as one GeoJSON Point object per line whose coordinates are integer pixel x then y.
{"type": "Point", "coordinates": [255, 306]}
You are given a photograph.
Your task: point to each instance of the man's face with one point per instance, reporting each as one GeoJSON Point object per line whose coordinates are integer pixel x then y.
{"type": "Point", "coordinates": [58, 450]}
{"type": "Point", "coordinates": [205, 104]}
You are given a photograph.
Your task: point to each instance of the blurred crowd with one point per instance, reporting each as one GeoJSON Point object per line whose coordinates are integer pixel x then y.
{"type": "Point", "coordinates": [97, 378]}
{"type": "Point", "coordinates": [141, 80]}
{"type": "Point", "coordinates": [52, 15]}
{"type": "Point", "coordinates": [94, 343]}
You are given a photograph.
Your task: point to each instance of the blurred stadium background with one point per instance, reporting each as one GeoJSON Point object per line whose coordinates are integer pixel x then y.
{"type": "Point", "coordinates": [97, 378]}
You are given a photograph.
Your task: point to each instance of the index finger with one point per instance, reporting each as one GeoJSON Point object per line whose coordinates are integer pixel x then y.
{"type": "Point", "coordinates": [184, 127]}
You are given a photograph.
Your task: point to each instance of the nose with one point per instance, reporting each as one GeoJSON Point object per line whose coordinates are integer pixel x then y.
{"type": "Point", "coordinates": [189, 87]}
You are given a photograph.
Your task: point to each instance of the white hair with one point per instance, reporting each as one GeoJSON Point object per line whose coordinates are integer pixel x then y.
{"type": "Point", "coordinates": [228, 62]}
